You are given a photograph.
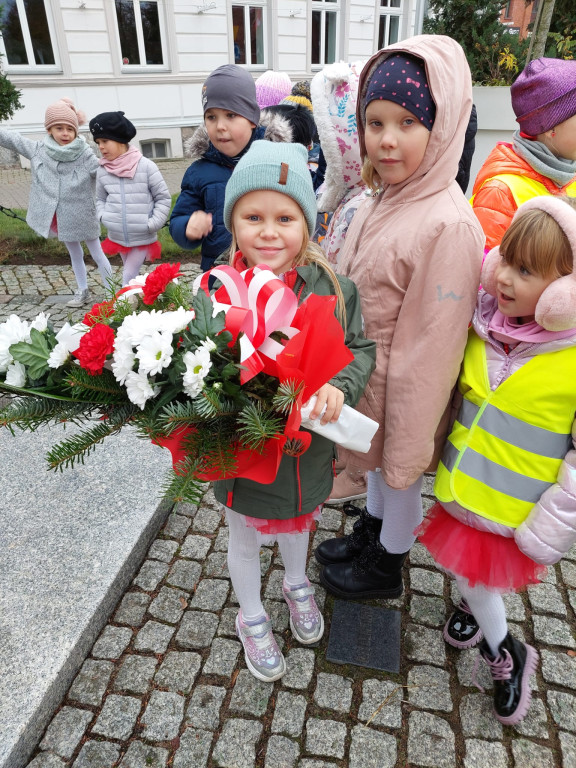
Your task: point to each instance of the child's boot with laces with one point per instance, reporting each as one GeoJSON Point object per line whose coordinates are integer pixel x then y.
{"type": "Point", "coordinates": [462, 630]}
{"type": "Point", "coordinates": [263, 657]}
{"type": "Point", "coordinates": [306, 621]}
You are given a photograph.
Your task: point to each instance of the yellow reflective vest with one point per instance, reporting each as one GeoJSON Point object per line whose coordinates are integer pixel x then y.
{"type": "Point", "coordinates": [507, 444]}
{"type": "Point", "coordinates": [523, 188]}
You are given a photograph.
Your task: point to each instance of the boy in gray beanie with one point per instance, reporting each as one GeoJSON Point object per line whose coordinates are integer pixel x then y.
{"type": "Point", "coordinates": [231, 117]}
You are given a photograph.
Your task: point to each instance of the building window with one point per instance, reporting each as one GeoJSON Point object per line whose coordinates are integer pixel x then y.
{"type": "Point", "coordinates": [156, 148]}
{"type": "Point", "coordinates": [389, 26]}
{"type": "Point", "coordinates": [507, 11]}
{"type": "Point", "coordinates": [324, 32]}
{"type": "Point", "coordinates": [26, 33]}
{"type": "Point", "coordinates": [140, 31]}
{"type": "Point", "coordinates": [248, 27]}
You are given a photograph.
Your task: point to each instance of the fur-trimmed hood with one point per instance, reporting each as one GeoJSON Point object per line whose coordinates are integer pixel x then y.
{"type": "Point", "coordinates": [276, 128]}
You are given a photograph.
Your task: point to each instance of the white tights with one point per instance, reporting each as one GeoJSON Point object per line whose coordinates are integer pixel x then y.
{"type": "Point", "coordinates": [400, 511]}
{"type": "Point", "coordinates": [132, 261]}
{"type": "Point", "coordinates": [488, 610]}
{"type": "Point", "coordinates": [244, 562]}
{"type": "Point", "coordinates": [79, 268]}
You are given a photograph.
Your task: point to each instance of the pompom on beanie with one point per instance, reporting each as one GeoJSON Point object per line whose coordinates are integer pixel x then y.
{"type": "Point", "coordinates": [63, 112]}
{"type": "Point", "coordinates": [302, 88]}
{"type": "Point", "coordinates": [112, 125]}
{"type": "Point", "coordinates": [271, 88]}
{"type": "Point", "coordinates": [303, 100]}
{"type": "Point", "coordinates": [544, 95]}
{"type": "Point", "coordinates": [277, 167]}
{"type": "Point", "coordinates": [231, 87]}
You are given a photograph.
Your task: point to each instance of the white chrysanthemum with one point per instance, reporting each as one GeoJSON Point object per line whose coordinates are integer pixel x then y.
{"type": "Point", "coordinates": [197, 366]}
{"type": "Point", "coordinates": [40, 322]}
{"type": "Point", "coordinates": [12, 331]}
{"type": "Point", "coordinates": [139, 389]}
{"type": "Point", "coordinates": [70, 335]}
{"type": "Point", "coordinates": [155, 352]}
{"type": "Point", "coordinates": [123, 363]}
{"type": "Point", "coordinates": [209, 345]}
{"type": "Point", "coordinates": [176, 321]}
{"type": "Point", "coordinates": [59, 355]}
{"type": "Point", "coordinates": [16, 374]}
{"type": "Point", "coordinates": [136, 327]}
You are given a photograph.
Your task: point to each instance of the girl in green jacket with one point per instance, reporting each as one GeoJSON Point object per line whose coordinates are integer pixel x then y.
{"type": "Point", "coordinates": [270, 209]}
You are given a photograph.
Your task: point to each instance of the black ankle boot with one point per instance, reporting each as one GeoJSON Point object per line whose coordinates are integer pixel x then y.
{"type": "Point", "coordinates": [373, 573]}
{"type": "Point", "coordinates": [343, 549]}
{"type": "Point", "coordinates": [511, 671]}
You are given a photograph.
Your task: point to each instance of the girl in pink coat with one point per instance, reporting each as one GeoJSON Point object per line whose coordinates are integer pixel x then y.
{"type": "Point", "coordinates": [414, 249]}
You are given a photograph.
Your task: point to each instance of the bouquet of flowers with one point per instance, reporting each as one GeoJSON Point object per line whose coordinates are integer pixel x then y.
{"type": "Point", "coordinates": [218, 379]}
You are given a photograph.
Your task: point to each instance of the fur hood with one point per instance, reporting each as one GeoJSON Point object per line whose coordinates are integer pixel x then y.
{"type": "Point", "coordinates": [276, 128]}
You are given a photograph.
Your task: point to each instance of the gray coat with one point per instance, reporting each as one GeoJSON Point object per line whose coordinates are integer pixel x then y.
{"type": "Point", "coordinates": [133, 210]}
{"type": "Point", "coordinates": [66, 189]}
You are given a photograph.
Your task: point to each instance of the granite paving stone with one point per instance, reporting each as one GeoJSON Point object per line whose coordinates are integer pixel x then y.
{"type": "Point", "coordinates": [430, 741]}
{"type": "Point", "coordinates": [210, 595]}
{"type": "Point", "coordinates": [140, 755]}
{"type": "Point", "coordinates": [91, 682]}
{"type": "Point", "coordinates": [236, 745]}
{"type": "Point", "coordinates": [249, 695]}
{"type": "Point", "coordinates": [178, 671]}
{"type": "Point", "coordinates": [273, 589]}
{"type": "Point", "coordinates": [186, 508]}
{"type": "Point", "coordinates": [195, 547]}
{"type": "Point", "coordinates": [97, 754]}
{"type": "Point", "coordinates": [515, 610]}
{"type": "Point", "coordinates": [381, 703]}
{"type": "Point", "coordinates": [163, 716]}
{"type": "Point", "coordinates": [333, 692]}
{"type": "Point", "coordinates": [563, 709]}
{"type": "Point", "coordinates": [153, 637]}
{"type": "Point", "coordinates": [299, 668]}
{"type": "Point", "coordinates": [135, 674]}
{"type": "Point", "coordinates": [485, 753]}
{"type": "Point", "coordinates": [206, 520]}
{"type": "Point", "coordinates": [325, 737]}
{"type": "Point", "coordinates": [197, 629]}
{"type": "Point", "coordinates": [47, 760]}
{"type": "Point", "coordinates": [222, 658]}
{"type": "Point", "coordinates": [176, 526]}
{"type": "Point", "coordinates": [428, 610]}
{"type": "Point", "coordinates": [204, 708]}
{"type": "Point", "coordinates": [150, 575]}
{"type": "Point", "coordinates": [184, 574]}
{"type": "Point", "coordinates": [528, 753]}
{"type": "Point", "coordinates": [425, 645]}
{"type": "Point", "coordinates": [477, 717]}
{"type": "Point", "coordinates": [568, 748]}
{"type": "Point", "coordinates": [289, 714]}
{"type": "Point", "coordinates": [216, 566]}
{"type": "Point", "coordinates": [169, 605]}
{"type": "Point", "coordinates": [221, 543]}
{"type": "Point", "coordinates": [226, 625]}
{"type": "Point", "coordinates": [568, 570]}
{"type": "Point", "coordinates": [118, 717]}
{"type": "Point", "coordinates": [424, 580]}
{"type": "Point", "coordinates": [193, 749]}
{"type": "Point", "coordinates": [429, 688]}
{"type": "Point", "coordinates": [112, 642]}
{"type": "Point", "coordinates": [132, 609]}
{"type": "Point", "coordinates": [65, 731]}
{"type": "Point", "coordinates": [372, 749]}
{"type": "Point", "coordinates": [551, 631]}
{"type": "Point", "coordinates": [546, 598]}
{"type": "Point", "coordinates": [331, 519]}
{"type": "Point", "coordinates": [163, 549]}
{"type": "Point", "coordinates": [281, 752]}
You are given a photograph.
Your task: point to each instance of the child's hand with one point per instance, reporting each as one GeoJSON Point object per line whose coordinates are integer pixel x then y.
{"type": "Point", "coordinates": [331, 397]}
{"type": "Point", "coordinates": [199, 225]}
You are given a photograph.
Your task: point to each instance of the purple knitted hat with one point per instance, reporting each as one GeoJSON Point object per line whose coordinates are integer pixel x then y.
{"type": "Point", "coordinates": [271, 88]}
{"type": "Point", "coordinates": [402, 78]}
{"type": "Point", "coordinates": [544, 95]}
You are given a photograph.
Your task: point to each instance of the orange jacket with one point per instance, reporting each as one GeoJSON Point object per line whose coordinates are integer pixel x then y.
{"type": "Point", "coordinates": [493, 201]}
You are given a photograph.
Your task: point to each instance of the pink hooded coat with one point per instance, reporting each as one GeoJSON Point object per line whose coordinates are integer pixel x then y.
{"type": "Point", "coordinates": [415, 252]}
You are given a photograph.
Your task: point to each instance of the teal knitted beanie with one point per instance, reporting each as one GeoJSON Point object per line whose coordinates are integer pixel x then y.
{"type": "Point", "coordinates": [276, 166]}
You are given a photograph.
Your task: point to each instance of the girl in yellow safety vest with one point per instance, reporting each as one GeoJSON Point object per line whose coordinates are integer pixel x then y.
{"type": "Point", "coordinates": [506, 483]}
{"type": "Point", "coordinates": [541, 160]}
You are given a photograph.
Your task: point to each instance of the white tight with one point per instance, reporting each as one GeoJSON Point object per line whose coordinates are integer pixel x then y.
{"type": "Point", "coordinates": [400, 511]}
{"type": "Point", "coordinates": [132, 261]}
{"type": "Point", "coordinates": [488, 610]}
{"type": "Point", "coordinates": [244, 562]}
{"type": "Point", "coordinates": [79, 268]}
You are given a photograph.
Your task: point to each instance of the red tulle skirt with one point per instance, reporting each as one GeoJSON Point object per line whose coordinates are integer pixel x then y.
{"type": "Point", "coordinates": [480, 557]}
{"type": "Point", "coordinates": [153, 250]}
{"type": "Point", "coordinates": [292, 525]}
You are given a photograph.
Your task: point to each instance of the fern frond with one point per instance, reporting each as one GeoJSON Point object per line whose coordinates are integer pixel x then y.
{"type": "Point", "coordinates": [94, 389]}
{"type": "Point", "coordinates": [30, 413]}
{"type": "Point", "coordinates": [256, 426]}
{"type": "Point", "coordinates": [75, 448]}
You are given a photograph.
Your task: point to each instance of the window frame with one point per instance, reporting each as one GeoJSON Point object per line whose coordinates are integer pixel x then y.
{"type": "Point", "coordinates": [32, 68]}
{"type": "Point", "coordinates": [152, 142]}
{"type": "Point", "coordinates": [323, 7]}
{"type": "Point", "coordinates": [246, 5]}
{"type": "Point", "coordinates": [385, 12]}
{"type": "Point", "coordinates": [140, 68]}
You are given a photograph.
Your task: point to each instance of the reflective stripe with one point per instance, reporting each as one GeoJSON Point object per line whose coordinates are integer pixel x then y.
{"type": "Point", "coordinates": [501, 479]}
{"type": "Point", "coordinates": [467, 413]}
{"type": "Point", "coordinates": [529, 437]}
{"type": "Point", "coordinates": [449, 455]}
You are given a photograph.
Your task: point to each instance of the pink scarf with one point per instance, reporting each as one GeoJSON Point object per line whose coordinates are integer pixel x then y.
{"type": "Point", "coordinates": [124, 165]}
{"type": "Point", "coordinates": [506, 330]}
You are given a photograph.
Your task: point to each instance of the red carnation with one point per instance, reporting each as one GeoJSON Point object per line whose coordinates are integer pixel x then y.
{"type": "Point", "coordinates": [98, 313]}
{"type": "Point", "coordinates": [95, 346]}
{"type": "Point", "coordinates": [157, 281]}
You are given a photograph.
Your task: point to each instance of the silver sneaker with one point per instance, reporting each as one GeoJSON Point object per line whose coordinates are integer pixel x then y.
{"type": "Point", "coordinates": [306, 621]}
{"type": "Point", "coordinates": [263, 657]}
{"type": "Point", "coordinates": [80, 298]}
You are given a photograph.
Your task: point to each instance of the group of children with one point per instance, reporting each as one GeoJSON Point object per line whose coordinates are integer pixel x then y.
{"type": "Point", "coordinates": [427, 344]}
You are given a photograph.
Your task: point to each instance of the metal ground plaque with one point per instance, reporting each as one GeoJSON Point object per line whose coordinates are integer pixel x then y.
{"type": "Point", "coordinates": [364, 635]}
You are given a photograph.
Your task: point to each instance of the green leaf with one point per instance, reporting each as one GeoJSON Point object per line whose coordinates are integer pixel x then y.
{"type": "Point", "coordinates": [33, 354]}
{"type": "Point", "coordinates": [204, 324]}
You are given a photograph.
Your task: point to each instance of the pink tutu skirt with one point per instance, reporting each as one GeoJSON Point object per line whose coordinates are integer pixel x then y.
{"type": "Point", "coordinates": [298, 524]}
{"type": "Point", "coordinates": [480, 557]}
{"type": "Point", "coordinates": [153, 250]}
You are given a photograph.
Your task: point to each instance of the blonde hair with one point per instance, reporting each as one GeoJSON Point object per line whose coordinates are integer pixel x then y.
{"type": "Point", "coordinates": [309, 253]}
{"type": "Point", "coordinates": [537, 242]}
{"type": "Point", "coordinates": [369, 175]}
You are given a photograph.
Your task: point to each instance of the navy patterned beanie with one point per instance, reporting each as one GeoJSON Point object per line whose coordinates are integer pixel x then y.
{"type": "Point", "coordinates": [402, 78]}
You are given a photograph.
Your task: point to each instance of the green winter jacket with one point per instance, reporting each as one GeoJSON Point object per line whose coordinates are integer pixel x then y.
{"type": "Point", "coordinates": [305, 482]}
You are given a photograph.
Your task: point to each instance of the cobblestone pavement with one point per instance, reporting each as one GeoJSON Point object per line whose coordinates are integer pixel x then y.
{"type": "Point", "coordinates": [166, 684]}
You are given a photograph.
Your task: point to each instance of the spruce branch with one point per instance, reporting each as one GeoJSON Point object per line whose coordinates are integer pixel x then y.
{"type": "Point", "coordinates": [30, 413]}
{"type": "Point", "coordinates": [286, 395]}
{"type": "Point", "coordinates": [75, 448]}
{"type": "Point", "coordinates": [102, 388]}
{"type": "Point", "coordinates": [257, 426]}
{"type": "Point", "coordinates": [182, 486]}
